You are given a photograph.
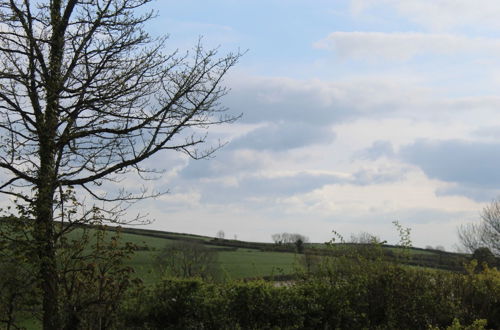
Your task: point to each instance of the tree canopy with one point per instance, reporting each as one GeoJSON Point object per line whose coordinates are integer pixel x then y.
{"type": "Point", "coordinates": [86, 95]}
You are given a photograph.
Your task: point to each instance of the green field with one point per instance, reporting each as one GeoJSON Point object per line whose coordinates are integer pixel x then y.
{"type": "Point", "coordinates": [238, 264]}
{"type": "Point", "coordinates": [255, 260]}
{"type": "Point", "coordinates": [246, 260]}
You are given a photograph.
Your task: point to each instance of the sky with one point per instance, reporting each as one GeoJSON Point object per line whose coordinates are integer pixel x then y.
{"type": "Point", "coordinates": [355, 114]}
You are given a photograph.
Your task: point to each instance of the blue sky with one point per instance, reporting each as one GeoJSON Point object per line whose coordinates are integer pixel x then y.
{"type": "Point", "coordinates": [355, 113]}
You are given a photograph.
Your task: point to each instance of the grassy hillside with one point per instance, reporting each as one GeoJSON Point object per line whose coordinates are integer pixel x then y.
{"type": "Point", "coordinates": [236, 262]}
{"type": "Point", "coordinates": [358, 272]}
{"type": "Point", "coordinates": [239, 259]}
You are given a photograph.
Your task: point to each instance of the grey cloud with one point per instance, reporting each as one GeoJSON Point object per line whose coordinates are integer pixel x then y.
{"type": "Point", "coordinates": [283, 136]}
{"type": "Point", "coordinates": [487, 132]}
{"type": "Point", "coordinates": [474, 193]}
{"type": "Point", "coordinates": [227, 163]}
{"type": "Point", "coordinates": [366, 178]}
{"type": "Point", "coordinates": [278, 100]}
{"type": "Point", "coordinates": [472, 166]}
{"type": "Point", "coordinates": [252, 187]}
{"type": "Point", "coordinates": [288, 185]}
{"type": "Point", "coordinates": [326, 103]}
{"type": "Point", "coordinates": [317, 103]}
{"type": "Point", "coordinates": [470, 163]}
{"type": "Point", "coordinates": [198, 169]}
{"type": "Point", "coordinates": [376, 150]}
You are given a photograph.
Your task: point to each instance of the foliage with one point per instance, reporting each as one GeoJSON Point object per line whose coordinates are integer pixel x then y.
{"type": "Point", "coordinates": [311, 261]}
{"type": "Point", "coordinates": [381, 296]}
{"type": "Point", "coordinates": [18, 290]}
{"type": "Point", "coordinates": [476, 325]}
{"type": "Point", "coordinates": [92, 272]}
{"type": "Point", "coordinates": [18, 283]}
{"type": "Point", "coordinates": [404, 239]}
{"type": "Point", "coordinates": [483, 256]}
{"type": "Point", "coordinates": [94, 277]}
{"type": "Point", "coordinates": [350, 288]}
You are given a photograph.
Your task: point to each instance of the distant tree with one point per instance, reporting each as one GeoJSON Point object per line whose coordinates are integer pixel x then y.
{"type": "Point", "coordinates": [439, 248]}
{"type": "Point", "coordinates": [294, 238]}
{"type": "Point", "coordinates": [486, 233]}
{"type": "Point", "coordinates": [220, 234]}
{"type": "Point", "coordinates": [286, 238]}
{"type": "Point", "coordinates": [469, 236]}
{"type": "Point", "coordinates": [289, 238]}
{"type": "Point", "coordinates": [364, 238]}
{"type": "Point", "coordinates": [483, 255]}
{"type": "Point", "coordinates": [189, 259]}
{"type": "Point", "coordinates": [299, 244]}
{"type": "Point", "coordinates": [277, 239]}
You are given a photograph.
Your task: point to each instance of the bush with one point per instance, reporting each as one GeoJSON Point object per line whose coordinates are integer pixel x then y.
{"type": "Point", "coordinates": [177, 304]}
{"type": "Point", "coordinates": [380, 296]}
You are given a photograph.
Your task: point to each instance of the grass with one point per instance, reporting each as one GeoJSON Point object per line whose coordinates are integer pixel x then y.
{"type": "Point", "coordinates": [244, 263]}
{"type": "Point", "coordinates": [248, 261]}
{"type": "Point", "coordinates": [238, 264]}
{"type": "Point", "coordinates": [235, 264]}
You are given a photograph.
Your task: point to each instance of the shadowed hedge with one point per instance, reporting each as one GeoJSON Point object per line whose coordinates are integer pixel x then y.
{"type": "Point", "coordinates": [382, 297]}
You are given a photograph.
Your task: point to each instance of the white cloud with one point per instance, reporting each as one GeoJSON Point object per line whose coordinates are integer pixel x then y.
{"type": "Point", "coordinates": [404, 46]}
{"type": "Point", "coordinates": [440, 14]}
{"type": "Point", "coordinates": [415, 192]}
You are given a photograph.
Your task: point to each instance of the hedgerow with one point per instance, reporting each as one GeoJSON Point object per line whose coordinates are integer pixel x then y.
{"type": "Point", "coordinates": [385, 296]}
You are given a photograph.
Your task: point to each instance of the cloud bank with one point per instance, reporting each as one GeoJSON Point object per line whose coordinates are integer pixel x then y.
{"type": "Point", "coordinates": [404, 46]}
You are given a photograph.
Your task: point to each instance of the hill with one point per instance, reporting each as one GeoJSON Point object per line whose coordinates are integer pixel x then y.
{"type": "Point", "coordinates": [244, 260]}
{"type": "Point", "coordinates": [241, 259]}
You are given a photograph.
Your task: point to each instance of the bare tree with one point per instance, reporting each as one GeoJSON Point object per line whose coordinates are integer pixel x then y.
{"type": "Point", "coordinates": [289, 238]}
{"type": "Point", "coordinates": [486, 233]}
{"type": "Point", "coordinates": [220, 234]}
{"type": "Point", "coordinates": [86, 95]}
{"type": "Point", "coordinates": [277, 239]}
{"type": "Point", "coordinates": [364, 238]}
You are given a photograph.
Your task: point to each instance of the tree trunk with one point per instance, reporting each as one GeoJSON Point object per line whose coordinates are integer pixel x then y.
{"type": "Point", "coordinates": [44, 234]}
{"type": "Point", "coordinates": [47, 177]}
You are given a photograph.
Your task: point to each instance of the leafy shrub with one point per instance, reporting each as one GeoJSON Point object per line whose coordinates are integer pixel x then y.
{"type": "Point", "coordinates": [382, 296]}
